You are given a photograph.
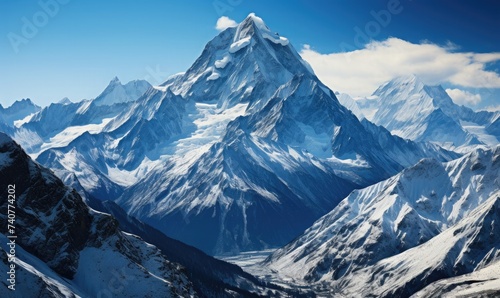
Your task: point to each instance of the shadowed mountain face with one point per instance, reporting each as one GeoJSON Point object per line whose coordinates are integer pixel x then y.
{"type": "Point", "coordinates": [210, 277]}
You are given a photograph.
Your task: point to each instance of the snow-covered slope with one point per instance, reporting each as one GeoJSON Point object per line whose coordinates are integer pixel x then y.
{"type": "Point", "coordinates": [368, 106]}
{"type": "Point", "coordinates": [59, 124]}
{"type": "Point", "coordinates": [431, 221]}
{"type": "Point", "coordinates": [415, 111]}
{"type": "Point", "coordinates": [33, 278]}
{"type": "Point", "coordinates": [68, 248]}
{"type": "Point", "coordinates": [467, 246]}
{"type": "Point", "coordinates": [484, 282]}
{"type": "Point", "coordinates": [246, 139]}
{"type": "Point", "coordinates": [494, 127]}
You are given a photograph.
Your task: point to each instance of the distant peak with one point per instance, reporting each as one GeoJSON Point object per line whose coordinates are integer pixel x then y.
{"type": "Point", "coordinates": [410, 78]}
{"type": "Point", "coordinates": [22, 103]}
{"type": "Point", "coordinates": [410, 83]}
{"type": "Point", "coordinates": [403, 82]}
{"type": "Point", "coordinates": [252, 15]}
{"type": "Point", "coordinates": [139, 82]}
{"type": "Point", "coordinates": [115, 80]}
{"type": "Point", "coordinates": [65, 101]}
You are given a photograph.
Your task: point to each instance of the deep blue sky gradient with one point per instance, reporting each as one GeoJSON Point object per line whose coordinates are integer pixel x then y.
{"type": "Point", "coordinates": [86, 43]}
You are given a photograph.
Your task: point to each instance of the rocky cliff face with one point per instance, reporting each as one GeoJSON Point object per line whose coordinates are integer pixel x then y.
{"type": "Point", "coordinates": [56, 228]}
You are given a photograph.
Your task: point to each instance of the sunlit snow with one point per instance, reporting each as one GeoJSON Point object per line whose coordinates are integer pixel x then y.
{"type": "Point", "coordinates": [71, 133]}
{"type": "Point", "coordinates": [210, 122]}
{"type": "Point", "coordinates": [239, 44]}
{"type": "Point", "coordinates": [19, 123]}
{"type": "Point", "coordinates": [214, 76]}
{"type": "Point", "coordinates": [480, 132]}
{"type": "Point", "coordinates": [223, 62]}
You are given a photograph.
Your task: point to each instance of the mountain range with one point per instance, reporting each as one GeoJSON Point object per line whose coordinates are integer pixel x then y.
{"type": "Point", "coordinates": [391, 195]}
{"type": "Point", "coordinates": [431, 221]}
{"type": "Point", "coordinates": [245, 139]}
{"type": "Point", "coordinates": [63, 248]}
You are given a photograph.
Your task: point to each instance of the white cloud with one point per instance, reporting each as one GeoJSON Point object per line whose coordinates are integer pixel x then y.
{"type": "Point", "coordinates": [493, 108]}
{"type": "Point", "coordinates": [360, 72]}
{"type": "Point", "coordinates": [224, 22]}
{"type": "Point", "coordinates": [463, 97]}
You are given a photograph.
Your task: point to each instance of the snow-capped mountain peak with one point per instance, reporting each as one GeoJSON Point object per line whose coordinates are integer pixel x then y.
{"type": "Point", "coordinates": [232, 64]}
{"type": "Point", "coordinates": [255, 25]}
{"type": "Point", "coordinates": [408, 79]}
{"type": "Point", "coordinates": [18, 111]}
{"type": "Point", "coordinates": [116, 92]}
{"type": "Point", "coordinates": [413, 110]}
{"type": "Point", "coordinates": [403, 89]}
{"type": "Point", "coordinates": [65, 101]}
{"type": "Point", "coordinates": [115, 80]}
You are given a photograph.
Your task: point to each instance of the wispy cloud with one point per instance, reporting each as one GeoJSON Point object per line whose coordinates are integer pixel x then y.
{"type": "Point", "coordinates": [224, 22]}
{"type": "Point", "coordinates": [492, 108]}
{"type": "Point", "coordinates": [360, 72]}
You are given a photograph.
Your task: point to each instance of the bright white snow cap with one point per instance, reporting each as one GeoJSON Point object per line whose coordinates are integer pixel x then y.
{"type": "Point", "coordinates": [242, 31]}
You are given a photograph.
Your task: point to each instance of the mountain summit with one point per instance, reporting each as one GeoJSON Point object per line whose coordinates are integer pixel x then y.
{"type": "Point", "coordinates": [116, 92]}
{"type": "Point", "coordinates": [413, 110]}
{"type": "Point", "coordinates": [17, 111]}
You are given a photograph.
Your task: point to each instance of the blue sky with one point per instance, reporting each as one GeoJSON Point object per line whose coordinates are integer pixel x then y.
{"type": "Point", "coordinates": [78, 46]}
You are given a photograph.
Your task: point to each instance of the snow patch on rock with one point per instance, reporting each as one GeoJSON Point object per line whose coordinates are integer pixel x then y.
{"type": "Point", "coordinates": [222, 62]}
{"type": "Point", "coordinates": [239, 44]}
